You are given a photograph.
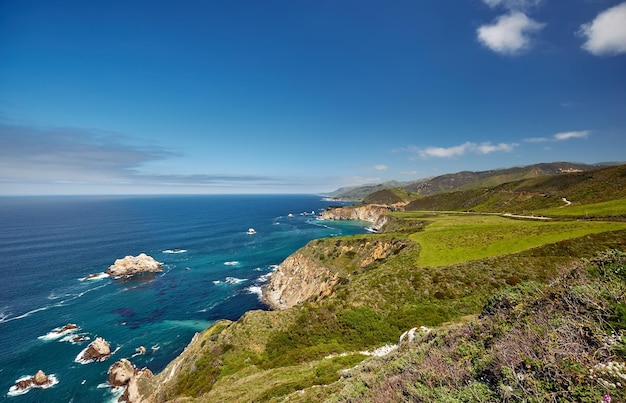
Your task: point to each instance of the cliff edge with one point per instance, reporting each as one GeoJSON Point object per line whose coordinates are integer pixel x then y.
{"type": "Point", "coordinates": [373, 213]}
{"type": "Point", "coordinates": [313, 271]}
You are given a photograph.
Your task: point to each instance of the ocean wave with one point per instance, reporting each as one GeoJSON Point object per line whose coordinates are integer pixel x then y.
{"type": "Point", "coordinates": [27, 314]}
{"type": "Point", "coordinates": [213, 305]}
{"type": "Point", "coordinates": [116, 393]}
{"type": "Point", "coordinates": [15, 391]}
{"type": "Point", "coordinates": [75, 338]}
{"type": "Point", "coordinates": [230, 280]}
{"type": "Point", "coordinates": [95, 277]}
{"type": "Point", "coordinates": [232, 263]}
{"type": "Point", "coordinates": [3, 314]}
{"type": "Point", "coordinates": [264, 278]}
{"type": "Point", "coordinates": [6, 317]}
{"type": "Point", "coordinates": [255, 289]}
{"type": "Point", "coordinates": [59, 332]}
{"type": "Point", "coordinates": [175, 251]}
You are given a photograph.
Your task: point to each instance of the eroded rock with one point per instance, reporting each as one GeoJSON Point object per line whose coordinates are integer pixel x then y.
{"type": "Point", "coordinates": [97, 350]}
{"type": "Point", "coordinates": [131, 265]}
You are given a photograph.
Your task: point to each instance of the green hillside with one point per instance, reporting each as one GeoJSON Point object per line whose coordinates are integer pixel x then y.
{"type": "Point", "coordinates": [390, 196]}
{"type": "Point", "coordinates": [515, 313]}
{"type": "Point", "coordinates": [533, 195]}
{"type": "Point", "coordinates": [465, 180]}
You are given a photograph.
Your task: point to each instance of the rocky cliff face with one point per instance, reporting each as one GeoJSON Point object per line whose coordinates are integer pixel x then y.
{"type": "Point", "coordinates": [313, 271]}
{"type": "Point", "coordinates": [370, 213]}
{"type": "Point", "coordinates": [296, 280]}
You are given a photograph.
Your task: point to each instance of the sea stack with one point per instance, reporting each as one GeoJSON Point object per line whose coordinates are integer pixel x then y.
{"type": "Point", "coordinates": [131, 265]}
{"type": "Point", "coordinates": [97, 350]}
{"type": "Point", "coordinates": [39, 380]}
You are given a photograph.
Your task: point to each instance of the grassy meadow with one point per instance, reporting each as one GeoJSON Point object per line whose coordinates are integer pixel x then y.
{"type": "Point", "coordinates": [611, 208]}
{"type": "Point", "coordinates": [453, 238]}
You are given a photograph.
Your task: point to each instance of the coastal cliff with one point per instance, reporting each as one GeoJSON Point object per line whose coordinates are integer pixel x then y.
{"type": "Point", "coordinates": [296, 280]}
{"type": "Point", "coordinates": [313, 271]}
{"type": "Point", "coordinates": [375, 214]}
{"type": "Point", "coordinates": [310, 352]}
{"type": "Point", "coordinates": [256, 340]}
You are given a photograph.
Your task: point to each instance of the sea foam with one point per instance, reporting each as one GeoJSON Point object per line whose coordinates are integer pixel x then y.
{"type": "Point", "coordinates": [14, 391]}
{"type": "Point", "coordinates": [175, 251]}
{"type": "Point", "coordinates": [255, 289]}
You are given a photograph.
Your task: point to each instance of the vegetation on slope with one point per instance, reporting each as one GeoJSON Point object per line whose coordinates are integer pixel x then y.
{"type": "Point", "coordinates": [266, 355]}
{"type": "Point", "coordinates": [560, 342]}
{"type": "Point", "coordinates": [444, 271]}
{"type": "Point", "coordinates": [464, 180]}
{"type": "Point", "coordinates": [390, 197]}
{"type": "Point", "coordinates": [532, 195]}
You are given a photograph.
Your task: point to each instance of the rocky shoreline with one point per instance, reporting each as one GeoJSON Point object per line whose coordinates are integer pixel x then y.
{"type": "Point", "coordinates": [297, 279]}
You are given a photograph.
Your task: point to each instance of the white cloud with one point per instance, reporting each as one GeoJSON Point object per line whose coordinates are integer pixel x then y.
{"type": "Point", "coordinates": [442, 152]}
{"type": "Point", "coordinates": [455, 151]}
{"type": "Point", "coordinates": [510, 34]}
{"type": "Point", "coordinates": [381, 167]}
{"type": "Point", "coordinates": [581, 134]}
{"type": "Point", "coordinates": [572, 135]}
{"type": "Point", "coordinates": [606, 34]}
{"type": "Point", "coordinates": [512, 4]}
{"type": "Point", "coordinates": [487, 148]}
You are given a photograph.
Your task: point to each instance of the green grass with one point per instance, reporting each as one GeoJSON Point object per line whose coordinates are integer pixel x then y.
{"type": "Point", "coordinates": [532, 343]}
{"type": "Point", "coordinates": [456, 262]}
{"type": "Point", "coordinates": [605, 209]}
{"type": "Point", "coordinates": [450, 239]}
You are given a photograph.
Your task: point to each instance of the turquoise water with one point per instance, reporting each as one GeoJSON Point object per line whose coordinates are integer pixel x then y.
{"type": "Point", "coordinates": [49, 244]}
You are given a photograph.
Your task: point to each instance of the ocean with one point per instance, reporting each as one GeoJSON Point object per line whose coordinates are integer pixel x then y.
{"type": "Point", "coordinates": [213, 269]}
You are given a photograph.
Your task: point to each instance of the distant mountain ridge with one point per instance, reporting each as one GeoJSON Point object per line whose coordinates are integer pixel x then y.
{"type": "Point", "coordinates": [466, 180]}
{"type": "Point", "coordinates": [526, 195]}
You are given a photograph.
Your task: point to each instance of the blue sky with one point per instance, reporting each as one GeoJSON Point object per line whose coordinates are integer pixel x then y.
{"type": "Point", "coordinates": [132, 97]}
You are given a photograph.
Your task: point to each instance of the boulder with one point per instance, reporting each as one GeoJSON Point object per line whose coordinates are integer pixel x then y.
{"type": "Point", "coordinates": [131, 265]}
{"type": "Point", "coordinates": [121, 372]}
{"type": "Point", "coordinates": [40, 378]}
{"type": "Point", "coordinates": [67, 328]}
{"type": "Point", "coordinates": [97, 350]}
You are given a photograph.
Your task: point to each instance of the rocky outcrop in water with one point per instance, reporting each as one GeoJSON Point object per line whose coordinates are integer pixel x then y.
{"type": "Point", "coordinates": [97, 350]}
{"type": "Point", "coordinates": [39, 379]}
{"type": "Point", "coordinates": [131, 265]}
